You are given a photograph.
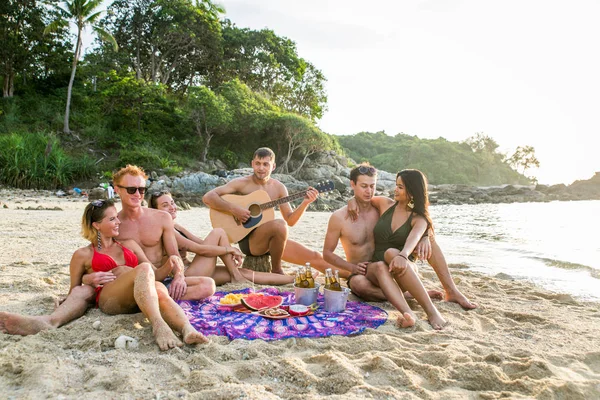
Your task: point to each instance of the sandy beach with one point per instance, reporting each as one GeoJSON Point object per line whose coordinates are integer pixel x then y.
{"type": "Point", "coordinates": [523, 341]}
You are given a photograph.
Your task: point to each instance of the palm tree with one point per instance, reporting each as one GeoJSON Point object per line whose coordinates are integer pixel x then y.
{"type": "Point", "coordinates": [82, 13]}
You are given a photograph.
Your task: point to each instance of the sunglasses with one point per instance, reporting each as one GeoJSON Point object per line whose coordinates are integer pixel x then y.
{"type": "Point", "coordinates": [367, 170]}
{"type": "Point", "coordinates": [97, 203]}
{"type": "Point", "coordinates": [158, 194]}
{"type": "Point", "coordinates": [133, 189]}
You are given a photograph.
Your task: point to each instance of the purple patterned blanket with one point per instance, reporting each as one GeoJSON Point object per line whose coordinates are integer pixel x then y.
{"type": "Point", "coordinates": [211, 319]}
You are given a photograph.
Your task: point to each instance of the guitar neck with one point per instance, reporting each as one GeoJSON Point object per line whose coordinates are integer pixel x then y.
{"type": "Point", "coordinates": [273, 203]}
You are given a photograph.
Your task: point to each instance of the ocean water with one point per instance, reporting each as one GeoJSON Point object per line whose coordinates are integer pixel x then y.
{"type": "Point", "coordinates": [554, 245]}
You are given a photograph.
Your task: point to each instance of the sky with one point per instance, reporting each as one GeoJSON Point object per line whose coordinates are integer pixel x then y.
{"type": "Point", "coordinates": [524, 72]}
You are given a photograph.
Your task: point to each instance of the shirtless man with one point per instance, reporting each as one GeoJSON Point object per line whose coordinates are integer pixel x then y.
{"type": "Point", "coordinates": [359, 244]}
{"type": "Point", "coordinates": [151, 229]}
{"type": "Point", "coordinates": [270, 237]}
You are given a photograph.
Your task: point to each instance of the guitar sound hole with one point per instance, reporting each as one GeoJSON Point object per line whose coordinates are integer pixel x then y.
{"type": "Point", "coordinates": [254, 210]}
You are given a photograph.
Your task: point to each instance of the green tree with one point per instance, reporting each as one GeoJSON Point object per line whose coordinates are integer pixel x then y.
{"type": "Point", "coordinates": [270, 65]}
{"type": "Point", "coordinates": [24, 48]}
{"type": "Point", "coordinates": [210, 113]}
{"type": "Point", "coordinates": [173, 42]}
{"type": "Point", "coordinates": [83, 14]}
{"type": "Point", "coordinates": [524, 156]}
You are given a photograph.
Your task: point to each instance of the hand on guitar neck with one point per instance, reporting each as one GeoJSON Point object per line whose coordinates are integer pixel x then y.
{"type": "Point", "coordinates": [252, 210]}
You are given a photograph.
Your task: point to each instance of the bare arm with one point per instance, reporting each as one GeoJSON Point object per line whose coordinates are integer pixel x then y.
{"type": "Point", "coordinates": [214, 200]}
{"type": "Point", "coordinates": [204, 250]}
{"type": "Point", "coordinates": [419, 226]}
{"type": "Point", "coordinates": [186, 233]}
{"type": "Point", "coordinates": [381, 203]}
{"type": "Point", "coordinates": [292, 217]}
{"type": "Point", "coordinates": [77, 267]}
{"type": "Point", "coordinates": [332, 237]}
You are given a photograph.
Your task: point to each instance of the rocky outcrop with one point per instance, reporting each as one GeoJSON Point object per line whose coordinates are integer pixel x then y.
{"type": "Point", "coordinates": [189, 188]}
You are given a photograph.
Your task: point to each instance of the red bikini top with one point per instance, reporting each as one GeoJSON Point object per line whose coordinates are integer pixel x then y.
{"type": "Point", "coordinates": [104, 262]}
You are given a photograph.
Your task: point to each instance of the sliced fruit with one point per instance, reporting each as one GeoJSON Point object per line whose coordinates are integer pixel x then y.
{"type": "Point", "coordinates": [298, 309]}
{"type": "Point", "coordinates": [256, 301]}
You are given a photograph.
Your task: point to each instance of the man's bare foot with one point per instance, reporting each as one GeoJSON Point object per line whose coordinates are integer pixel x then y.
{"type": "Point", "coordinates": [15, 324]}
{"type": "Point", "coordinates": [405, 320]}
{"type": "Point", "coordinates": [192, 336]}
{"type": "Point", "coordinates": [433, 295]}
{"type": "Point", "coordinates": [437, 321]}
{"type": "Point", "coordinates": [165, 338]}
{"type": "Point", "coordinates": [458, 297]}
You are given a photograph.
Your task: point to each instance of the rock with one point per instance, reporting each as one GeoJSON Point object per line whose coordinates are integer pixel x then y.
{"type": "Point", "coordinates": [257, 263]}
{"type": "Point", "coordinates": [97, 325]}
{"type": "Point", "coordinates": [126, 342]}
{"type": "Point", "coordinates": [97, 194]}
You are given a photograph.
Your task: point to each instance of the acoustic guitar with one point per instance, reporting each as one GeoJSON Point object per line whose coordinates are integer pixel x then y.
{"type": "Point", "coordinates": [261, 210]}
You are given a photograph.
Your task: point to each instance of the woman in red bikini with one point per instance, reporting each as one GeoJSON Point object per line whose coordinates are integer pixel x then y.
{"type": "Point", "coordinates": [135, 287]}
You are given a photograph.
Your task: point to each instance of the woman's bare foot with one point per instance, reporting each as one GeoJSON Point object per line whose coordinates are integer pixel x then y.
{"type": "Point", "coordinates": [165, 338]}
{"type": "Point", "coordinates": [459, 298]}
{"type": "Point", "coordinates": [405, 320]}
{"type": "Point", "coordinates": [437, 321]}
{"type": "Point", "coordinates": [15, 324]}
{"type": "Point", "coordinates": [192, 336]}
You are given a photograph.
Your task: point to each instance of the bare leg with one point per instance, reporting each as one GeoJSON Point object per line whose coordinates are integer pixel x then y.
{"type": "Point", "coordinates": [438, 262]}
{"type": "Point", "coordinates": [175, 317]}
{"type": "Point", "coordinates": [198, 287]}
{"type": "Point", "coordinates": [270, 237]}
{"type": "Point", "coordinates": [379, 275]}
{"type": "Point", "coordinates": [74, 306]}
{"type": "Point", "coordinates": [409, 280]}
{"type": "Point", "coordinates": [365, 289]}
{"type": "Point", "coordinates": [297, 253]}
{"type": "Point", "coordinates": [218, 237]}
{"type": "Point", "coordinates": [133, 289]}
{"type": "Point", "coordinates": [222, 276]}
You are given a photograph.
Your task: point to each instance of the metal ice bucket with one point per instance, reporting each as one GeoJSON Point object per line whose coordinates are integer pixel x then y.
{"type": "Point", "coordinates": [306, 296]}
{"type": "Point", "coordinates": [335, 301]}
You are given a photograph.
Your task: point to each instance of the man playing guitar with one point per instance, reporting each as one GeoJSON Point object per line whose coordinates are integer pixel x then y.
{"type": "Point", "coordinates": [271, 237]}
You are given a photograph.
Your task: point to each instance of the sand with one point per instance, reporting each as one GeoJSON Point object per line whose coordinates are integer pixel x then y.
{"type": "Point", "coordinates": [523, 341]}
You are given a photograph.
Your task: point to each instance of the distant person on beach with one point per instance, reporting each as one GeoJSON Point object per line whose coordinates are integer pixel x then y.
{"type": "Point", "coordinates": [272, 236]}
{"type": "Point", "coordinates": [216, 244]}
{"type": "Point", "coordinates": [133, 288]}
{"type": "Point", "coordinates": [358, 241]}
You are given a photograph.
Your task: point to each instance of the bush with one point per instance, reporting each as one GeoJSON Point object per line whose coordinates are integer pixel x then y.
{"type": "Point", "coordinates": [36, 160]}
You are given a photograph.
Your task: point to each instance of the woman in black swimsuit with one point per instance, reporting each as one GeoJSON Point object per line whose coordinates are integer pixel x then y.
{"type": "Point", "coordinates": [396, 234]}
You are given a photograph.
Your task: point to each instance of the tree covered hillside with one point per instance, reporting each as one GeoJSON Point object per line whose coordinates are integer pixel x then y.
{"type": "Point", "coordinates": [474, 162]}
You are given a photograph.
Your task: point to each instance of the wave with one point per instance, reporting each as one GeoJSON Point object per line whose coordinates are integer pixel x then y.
{"type": "Point", "coordinates": [595, 273]}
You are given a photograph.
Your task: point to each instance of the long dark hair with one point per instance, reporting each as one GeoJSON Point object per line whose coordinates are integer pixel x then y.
{"type": "Point", "coordinates": [415, 184]}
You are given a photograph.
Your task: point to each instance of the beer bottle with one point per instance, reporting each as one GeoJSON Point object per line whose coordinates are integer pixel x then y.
{"type": "Point", "coordinates": [298, 280]}
{"type": "Point", "coordinates": [328, 277]}
{"type": "Point", "coordinates": [335, 282]}
{"type": "Point", "coordinates": [303, 281]}
{"type": "Point", "coordinates": [309, 277]}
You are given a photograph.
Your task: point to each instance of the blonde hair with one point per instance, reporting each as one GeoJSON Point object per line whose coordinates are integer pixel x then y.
{"type": "Point", "coordinates": [132, 170]}
{"type": "Point", "coordinates": [94, 212]}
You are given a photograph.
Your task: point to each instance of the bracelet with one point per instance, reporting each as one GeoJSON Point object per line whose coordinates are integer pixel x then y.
{"type": "Point", "coordinates": [226, 252]}
{"type": "Point", "coordinates": [403, 256]}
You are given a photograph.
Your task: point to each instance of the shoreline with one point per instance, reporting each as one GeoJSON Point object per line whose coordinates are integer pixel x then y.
{"type": "Point", "coordinates": [523, 341]}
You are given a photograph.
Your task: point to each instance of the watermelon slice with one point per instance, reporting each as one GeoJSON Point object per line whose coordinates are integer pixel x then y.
{"type": "Point", "coordinates": [257, 301]}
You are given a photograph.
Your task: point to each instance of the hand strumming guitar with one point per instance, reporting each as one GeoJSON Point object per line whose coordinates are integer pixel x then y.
{"type": "Point", "coordinates": [240, 213]}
